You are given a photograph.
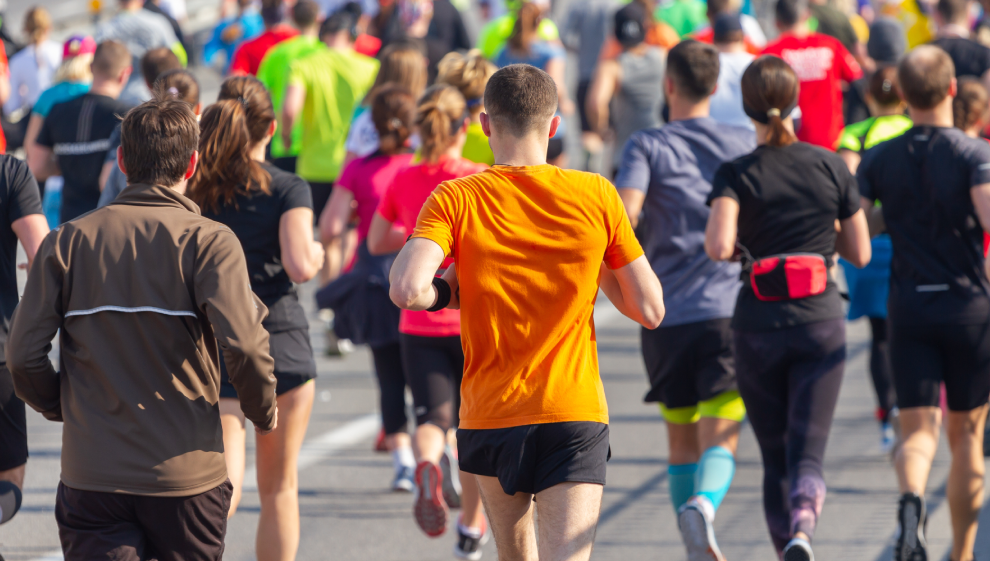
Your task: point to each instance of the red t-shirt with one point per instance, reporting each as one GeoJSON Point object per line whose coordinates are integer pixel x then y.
{"type": "Point", "coordinates": [821, 63]}
{"type": "Point", "coordinates": [368, 179]}
{"type": "Point", "coordinates": [402, 202]}
{"type": "Point", "coordinates": [247, 57]}
{"type": "Point", "coordinates": [707, 35]}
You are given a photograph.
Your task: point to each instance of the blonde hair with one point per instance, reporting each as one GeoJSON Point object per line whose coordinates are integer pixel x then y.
{"type": "Point", "coordinates": [402, 64]}
{"type": "Point", "coordinates": [469, 73]}
{"type": "Point", "coordinates": [75, 69]}
{"type": "Point", "coordinates": [37, 24]}
{"type": "Point", "coordinates": [439, 115]}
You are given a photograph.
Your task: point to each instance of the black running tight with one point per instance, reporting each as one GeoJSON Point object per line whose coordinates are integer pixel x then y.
{"type": "Point", "coordinates": [391, 387]}
{"type": "Point", "coordinates": [883, 383]}
{"type": "Point", "coordinates": [434, 367]}
{"type": "Point", "coordinates": [789, 380]}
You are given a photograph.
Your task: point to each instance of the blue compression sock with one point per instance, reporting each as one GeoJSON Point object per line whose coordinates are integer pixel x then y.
{"type": "Point", "coordinates": [715, 470]}
{"type": "Point", "coordinates": [681, 482]}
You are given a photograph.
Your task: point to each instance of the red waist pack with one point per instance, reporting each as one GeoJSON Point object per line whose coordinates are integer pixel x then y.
{"type": "Point", "coordinates": [788, 276]}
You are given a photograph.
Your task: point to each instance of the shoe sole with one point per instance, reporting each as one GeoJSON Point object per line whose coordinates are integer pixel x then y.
{"type": "Point", "coordinates": [698, 536]}
{"type": "Point", "coordinates": [429, 509]}
{"type": "Point", "coordinates": [450, 493]}
{"type": "Point", "coordinates": [797, 554]}
{"type": "Point", "coordinates": [912, 546]}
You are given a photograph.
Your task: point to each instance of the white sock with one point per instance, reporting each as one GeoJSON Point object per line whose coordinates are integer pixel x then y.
{"type": "Point", "coordinates": [403, 457]}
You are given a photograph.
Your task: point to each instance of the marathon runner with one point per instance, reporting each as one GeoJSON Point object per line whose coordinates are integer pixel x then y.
{"type": "Point", "coordinates": [934, 183]}
{"type": "Point", "coordinates": [432, 356]}
{"type": "Point", "coordinates": [666, 174]}
{"type": "Point", "coordinates": [869, 287]}
{"type": "Point", "coordinates": [469, 73]}
{"type": "Point", "coordinates": [144, 294]}
{"type": "Point", "coordinates": [528, 241]}
{"type": "Point", "coordinates": [270, 212]}
{"type": "Point", "coordinates": [363, 312]}
{"type": "Point", "coordinates": [23, 221]}
{"type": "Point", "coordinates": [779, 206]}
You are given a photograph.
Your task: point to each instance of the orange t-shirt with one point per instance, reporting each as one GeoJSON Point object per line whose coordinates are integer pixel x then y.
{"type": "Point", "coordinates": [528, 244]}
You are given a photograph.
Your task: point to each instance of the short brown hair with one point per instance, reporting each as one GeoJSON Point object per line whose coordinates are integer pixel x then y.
{"type": "Point", "coordinates": [770, 83]}
{"type": "Point", "coordinates": [110, 59]}
{"type": "Point", "coordinates": [693, 67]}
{"type": "Point", "coordinates": [971, 104]}
{"type": "Point", "coordinates": [925, 75]}
{"type": "Point", "coordinates": [305, 14]}
{"type": "Point", "coordinates": [157, 138]}
{"type": "Point", "coordinates": [520, 98]}
{"type": "Point", "coordinates": [953, 10]}
{"type": "Point", "coordinates": [156, 62]}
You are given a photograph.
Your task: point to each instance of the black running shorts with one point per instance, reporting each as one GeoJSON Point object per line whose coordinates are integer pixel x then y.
{"type": "Point", "coordinates": [294, 363]}
{"type": "Point", "coordinates": [689, 363]}
{"type": "Point", "coordinates": [13, 424]}
{"type": "Point", "coordinates": [533, 458]}
{"type": "Point", "coordinates": [922, 357]}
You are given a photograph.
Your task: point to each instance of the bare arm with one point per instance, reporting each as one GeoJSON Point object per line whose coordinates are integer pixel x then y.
{"type": "Point", "coordinates": [632, 199]}
{"type": "Point", "coordinates": [635, 291]}
{"type": "Point", "coordinates": [295, 97]}
{"type": "Point", "coordinates": [853, 240]}
{"type": "Point", "coordinates": [301, 256]}
{"type": "Point", "coordinates": [851, 159]}
{"type": "Point", "coordinates": [41, 161]}
{"type": "Point", "coordinates": [555, 68]}
{"type": "Point", "coordinates": [105, 173]}
{"type": "Point", "coordinates": [874, 217]}
{"type": "Point", "coordinates": [336, 215]}
{"type": "Point", "coordinates": [30, 230]}
{"type": "Point", "coordinates": [5, 86]}
{"type": "Point", "coordinates": [600, 93]}
{"type": "Point", "coordinates": [384, 237]}
{"type": "Point", "coordinates": [34, 127]}
{"type": "Point", "coordinates": [720, 233]}
{"type": "Point", "coordinates": [412, 273]}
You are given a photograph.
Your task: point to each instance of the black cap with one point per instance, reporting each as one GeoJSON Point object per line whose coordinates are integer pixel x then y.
{"type": "Point", "coordinates": [726, 25]}
{"type": "Point", "coordinates": [630, 25]}
{"type": "Point", "coordinates": [887, 43]}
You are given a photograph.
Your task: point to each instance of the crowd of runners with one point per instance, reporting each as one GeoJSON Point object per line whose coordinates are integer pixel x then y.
{"type": "Point", "coordinates": [742, 156]}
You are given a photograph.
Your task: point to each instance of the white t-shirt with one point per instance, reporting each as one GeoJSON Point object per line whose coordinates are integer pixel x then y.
{"type": "Point", "coordinates": [174, 8]}
{"type": "Point", "coordinates": [726, 102]}
{"type": "Point", "coordinates": [31, 72]}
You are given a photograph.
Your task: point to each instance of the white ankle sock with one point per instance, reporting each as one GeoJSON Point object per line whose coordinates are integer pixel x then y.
{"type": "Point", "coordinates": [403, 458]}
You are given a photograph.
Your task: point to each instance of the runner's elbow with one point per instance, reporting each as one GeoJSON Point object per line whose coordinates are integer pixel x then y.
{"type": "Point", "coordinates": [652, 315]}
{"type": "Point", "coordinates": [405, 295]}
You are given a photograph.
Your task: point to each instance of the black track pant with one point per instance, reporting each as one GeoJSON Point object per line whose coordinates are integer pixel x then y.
{"type": "Point", "coordinates": [789, 380]}
{"type": "Point", "coordinates": [391, 387]}
{"type": "Point", "coordinates": [883, 381]}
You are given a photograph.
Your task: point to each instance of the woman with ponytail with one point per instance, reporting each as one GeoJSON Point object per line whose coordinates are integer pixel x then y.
{"type": "Point", "coordinates": [363, 312]}
{"type": "Point", "coordinates": [469, 72]}
{"type": "Point", "coordinates": [271, 212]}
{"type": "Point", "coordinates": [430, 341]}
{"type": "Point", "coordinates": [786, 209]}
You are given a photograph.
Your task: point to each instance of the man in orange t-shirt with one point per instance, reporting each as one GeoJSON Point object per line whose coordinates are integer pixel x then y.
{"type": "Point", "coordinates": [531, 243]}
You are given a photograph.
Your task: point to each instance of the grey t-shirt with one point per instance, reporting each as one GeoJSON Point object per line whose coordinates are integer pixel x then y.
{"type": "Point", "coordinates": [141, 31]}
{"type": "Point", "coordinates": [588, 24]}
{"type": "Point", "coordinates": [674, 166]}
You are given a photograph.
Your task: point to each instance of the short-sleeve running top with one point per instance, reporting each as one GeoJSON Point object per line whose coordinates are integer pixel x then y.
{"type": "Point", "coordinates": [923, 179]}
{"type": "Point", "coordinates": [673, 167]}
{"type": "Point", "coordinates": [528, 243]}
{"type": "Point", "coordinates": [401, 204]}
{"type": "Point", "coordinates": [19, 197]}
{"type": "Point", "coordinates": [254, 219]}
{"type": "Point", "coordinates": [367, 179]}
{"type": "Point", "coordinates": [789, 199]}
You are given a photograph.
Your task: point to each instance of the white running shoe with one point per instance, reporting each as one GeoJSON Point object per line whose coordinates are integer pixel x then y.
{"type": "Point", "coordinates": [695, 522]}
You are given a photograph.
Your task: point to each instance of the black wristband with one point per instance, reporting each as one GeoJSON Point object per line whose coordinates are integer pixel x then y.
{"type": "Point", "coordinates": [443, 295]}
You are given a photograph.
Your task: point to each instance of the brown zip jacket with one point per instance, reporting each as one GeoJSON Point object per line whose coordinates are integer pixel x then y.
{"type": "Point", "coordinates": [143, 290]}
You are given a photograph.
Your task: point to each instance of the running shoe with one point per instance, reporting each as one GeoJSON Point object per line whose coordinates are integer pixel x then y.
{"type": "Point", "coordinates": [451, 478]}
{"type": "Point", "coordinates": [798, 550]}
{"type": "Point", "coordinates": [380, 445]}
{"type": "Point", "coordinates": [887, 438]}
{"type": "Point", "coordinates": [429, 509]}
{"type": "Point", "coordinates": [403, 482]}
{"type": "Point", "coordinates": [911, 520]}
{"type": "Point", "coordinates": [695, 522]}
{"type": "Point", "coordinates": [469, 546]}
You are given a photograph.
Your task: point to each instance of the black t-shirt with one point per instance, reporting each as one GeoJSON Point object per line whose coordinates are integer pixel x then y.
{"type": "Point", "coordinates": [923, 180]}
{"type": "Point", "coordinates": [254, 219]}
{"type": "Point", "coordinates": [78, 132]}
{"type": "Point", "coordinates": [789, 198]}
{"type": "Point", "coordinates": [969, 57]}
{"type": "Point", "coordinates": [19, 197]}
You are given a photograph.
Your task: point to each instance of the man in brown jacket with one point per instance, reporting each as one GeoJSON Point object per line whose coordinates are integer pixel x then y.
{"type": "Point", "coordinates": [144, 292]}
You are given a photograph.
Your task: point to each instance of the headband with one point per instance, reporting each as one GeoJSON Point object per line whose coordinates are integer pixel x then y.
{"type": "Point", "coordinates": [474, 102]}
{"type": "Point", "coordinates": [764, 118]}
